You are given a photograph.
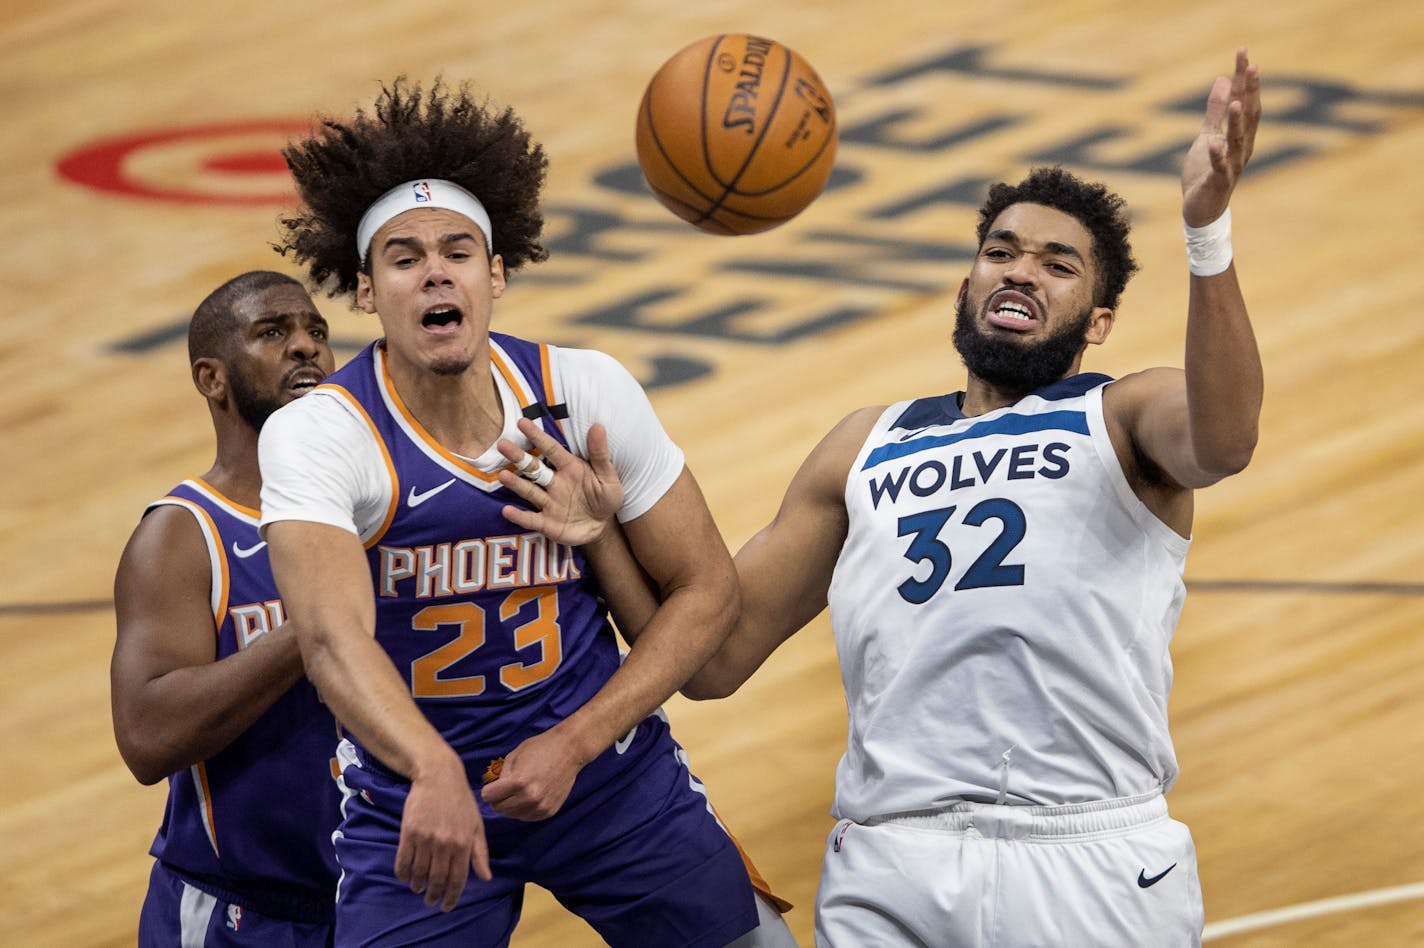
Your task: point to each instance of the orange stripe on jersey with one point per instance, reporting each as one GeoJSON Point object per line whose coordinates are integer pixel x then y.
{"type": "Point", "coordinates": [548, 374]}
{"type": "Point", "coordinates": [451, 458]}
{"type": "Point", "coordinates": [215, 552]}
{"type": "Point", "coordinates": [205, 798]}
{"type": "Point", "coordinates": [219, 495]}
{"type": "Point", "coordinates": [515, 380]}
{"type": "Point", "coordinates": [758, 883]}
{"type": "Point", "coordinates": [385, 454]}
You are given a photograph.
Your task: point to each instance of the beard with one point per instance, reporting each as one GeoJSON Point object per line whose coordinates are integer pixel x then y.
{"type": "Point", "coordinates": [1017, 366]}
{"type": "Point", "coordinates": [448, 367]}
{"type": "Point", "coordinates": [255, 407]}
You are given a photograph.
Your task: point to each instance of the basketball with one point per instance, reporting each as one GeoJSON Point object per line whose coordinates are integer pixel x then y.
{"type": "Point", "coordinates": [736, 134]}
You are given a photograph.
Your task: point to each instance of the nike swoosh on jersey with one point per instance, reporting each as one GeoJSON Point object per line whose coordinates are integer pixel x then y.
{"type": "Point", "coordinates": [1144, 880]}
{"type": "Point", "coordinates": [415, 498]}
{"type": "Point", "coordinates": [243, 553]}
{"type": "Point", "coordinates": [621, 745]}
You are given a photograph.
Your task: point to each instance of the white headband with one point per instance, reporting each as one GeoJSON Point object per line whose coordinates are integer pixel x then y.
{"type": "Point", "coordinates": [430, 192]}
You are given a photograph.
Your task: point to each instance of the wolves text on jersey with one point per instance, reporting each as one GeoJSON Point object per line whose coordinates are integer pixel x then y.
{"type": "Point", "coordinates": [971, 469]}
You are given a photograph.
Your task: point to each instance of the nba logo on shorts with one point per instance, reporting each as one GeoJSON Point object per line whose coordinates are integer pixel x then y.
{"type": "Point", "coordinates": [840, 835]}
{"type": "Point", "coordinates": [422, 192]}
{"type": "Point", "coordinates": [234, 917]}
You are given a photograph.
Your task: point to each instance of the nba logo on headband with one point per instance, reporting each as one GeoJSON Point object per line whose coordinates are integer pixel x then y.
{"type": "Point", "coordinates": [421, 193]}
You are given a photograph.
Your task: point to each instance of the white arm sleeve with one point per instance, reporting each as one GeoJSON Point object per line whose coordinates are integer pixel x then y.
{"type": "Point", "coordinates": [321, 463]}
{"type": "Point", "coordinates": [598, 389]}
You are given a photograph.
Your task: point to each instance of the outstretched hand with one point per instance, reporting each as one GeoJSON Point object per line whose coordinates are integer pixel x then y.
{"type": "Point", "coordinates": [576, 505]}
{"type": "Point", "coordinates": [1224, 144]}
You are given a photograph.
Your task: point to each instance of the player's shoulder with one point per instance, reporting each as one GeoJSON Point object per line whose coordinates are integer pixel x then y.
{"type": "Point", "coordinates": [324, 406]}
{"type": "Point", "coordinates": [166, 540]}
{"type": "Point", "coordinates": [859, 423]}
{"type": "Point", "coordinates": [584, 363]}
{"type": "Point", "coordinates": [1126, 395]}
{"type": "Point", "coordinates": [839, 448]}
{"type": "Point", "coordinates": [1157, 375]}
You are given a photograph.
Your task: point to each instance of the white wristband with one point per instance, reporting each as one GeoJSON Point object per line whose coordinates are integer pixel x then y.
{"type": "Point", "coordinates": [1209, 247]}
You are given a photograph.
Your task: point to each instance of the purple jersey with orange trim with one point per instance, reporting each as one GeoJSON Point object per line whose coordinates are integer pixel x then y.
{"type": "Point", "coordinates": [499, 633]}
{"type": "Point", "coordinates": [253, 823]}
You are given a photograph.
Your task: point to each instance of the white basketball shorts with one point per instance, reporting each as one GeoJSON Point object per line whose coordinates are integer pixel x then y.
{"type": "Point", "coordinates": [1108, 874]}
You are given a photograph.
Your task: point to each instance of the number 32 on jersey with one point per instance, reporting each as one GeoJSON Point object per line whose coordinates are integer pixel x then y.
{"type": "Point", "coordinates": [927, 546]}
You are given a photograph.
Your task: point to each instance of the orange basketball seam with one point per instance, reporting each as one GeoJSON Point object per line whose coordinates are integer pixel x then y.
{"type": "Point", "coordinates": [761, 136]}
{"type": "Point", "coordinates": [667, 157]}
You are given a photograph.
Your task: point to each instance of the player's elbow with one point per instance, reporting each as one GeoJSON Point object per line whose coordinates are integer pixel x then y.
{"type": "Point", "coordinates": [144, 761]}
{"type": "Point", "coordinates": [1230, 459]}
{"type": "Point", "coordinates": [717, 678]}
{"type": "Point", "coordinates": [708, 688]}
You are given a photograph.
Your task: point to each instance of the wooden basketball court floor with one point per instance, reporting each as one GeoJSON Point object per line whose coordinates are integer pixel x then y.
{"type": "Point", "coordinates": [139, 171]}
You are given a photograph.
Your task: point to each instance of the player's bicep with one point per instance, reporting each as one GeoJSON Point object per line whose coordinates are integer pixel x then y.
{"type": "Point", "coordinates": [785, 569]}
{"type": "Point", "coordinates": [163, 604]}
{"type": "Point", "coordinates": [323, 576]}
{"type": "Point", "coordinates": [600, 390]}
{"type": "Point", "coordinates": [677, 543]}
{"type": "Point", "coordinates": [1148, 421]}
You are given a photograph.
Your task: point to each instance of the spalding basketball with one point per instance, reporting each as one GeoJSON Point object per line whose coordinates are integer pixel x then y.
{"type": "Point", "coordinates": [736, 134]}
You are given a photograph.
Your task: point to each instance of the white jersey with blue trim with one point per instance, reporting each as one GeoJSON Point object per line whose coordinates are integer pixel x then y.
{"type": "Point", "coordinates": [1002, 608]}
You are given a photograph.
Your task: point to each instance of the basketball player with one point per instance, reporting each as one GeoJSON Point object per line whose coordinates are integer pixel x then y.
{"type": "Point", "coordinates": [207, 682]}
{"type": "Point", "coordinates": [467, 658]}
{"type": "Point", "coordinates": [1003, 567]}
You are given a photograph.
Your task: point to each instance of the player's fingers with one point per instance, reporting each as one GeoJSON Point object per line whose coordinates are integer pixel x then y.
{"type": "Point", "coordinates": [454, 882]}
{"type": "Point", "coordinates": [419, 877]}
{"type": "Point", "coordinates": [543, 442]}
{"type": "Point", "coordinates": [479, 857]}
{"type": "Point", "coordinates": [1216, 103]}
{"type": "Point", "coordinates": [405, 852]}
{"type": "Point", "coordinates": [1236, 130]}
{"type": "Point", "coordinates": [1238, 77]}
{"type": "Point", "coordinates": [437, 887]}
{"type": "Point", "coordinates": [520, 517]}
{"type": "Point", "coordinates": [512, 452]}
{"type": "Point", "coordinates": [522, 487]}
{"type": "Point", "coordinates": [598, 456]}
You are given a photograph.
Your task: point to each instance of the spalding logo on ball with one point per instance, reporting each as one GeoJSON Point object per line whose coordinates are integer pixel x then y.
{"type": "Point", "coordinates": [736, 134]}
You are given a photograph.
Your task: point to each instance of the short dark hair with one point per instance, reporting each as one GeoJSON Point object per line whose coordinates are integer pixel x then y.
{"type": "Point", "coordinates": [1102, 213]}
{"type": "Point", "coordinates": [344, 167]}
{"type": "Point", "coordinates": [210, 331]}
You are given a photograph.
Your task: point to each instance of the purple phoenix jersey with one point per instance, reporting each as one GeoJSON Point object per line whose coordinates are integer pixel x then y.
{"type": "Point", "coordinates": [252, 824]}
{"type": "Point", "coordinates": [501, 634]}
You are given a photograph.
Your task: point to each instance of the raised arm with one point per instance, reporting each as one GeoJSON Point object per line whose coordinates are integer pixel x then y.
{"type": "Point", "coordinates": [1195, 427]}
{"type": "Point", "coordinates": [174, 703]}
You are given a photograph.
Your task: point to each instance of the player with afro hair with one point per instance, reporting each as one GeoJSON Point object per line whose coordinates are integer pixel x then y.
{"type": "Point", "coordinates": [409, 134]}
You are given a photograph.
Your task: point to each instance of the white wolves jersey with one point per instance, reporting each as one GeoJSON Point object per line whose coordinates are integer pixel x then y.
{"type": "Point", "coordinates": [1002, 609]}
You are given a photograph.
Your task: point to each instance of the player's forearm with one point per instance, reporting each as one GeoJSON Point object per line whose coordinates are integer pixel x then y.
{"type": "Point", "coordinates": [765, 620]}
{"type": "Point", "coordinates": [362, 688]}
{"type": "Point", "coordinates": [1225, 384]}
{"type": "Point", "coordinates": [682, 634]}
{"type": "Point", "coordinates": [189, 714]}
{"type": "Point", "coordinates": [326, 586]}
{"type": "Point", "coordinates": [631, 597]}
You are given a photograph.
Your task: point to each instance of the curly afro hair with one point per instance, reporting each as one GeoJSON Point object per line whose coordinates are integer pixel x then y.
{"type": "Point", "coordinates": [1102, 213]}
{"type": "Point", "coordinates": [344, 167]}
